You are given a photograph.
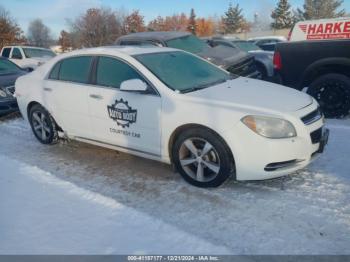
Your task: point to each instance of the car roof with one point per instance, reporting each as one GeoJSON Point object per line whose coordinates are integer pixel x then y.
{"type": "Point", "coordinates": [157, 35]}
{"type": "Point", "coordinates": [26, 46]}
{"type": "Point", "coordinates": [117, 50]}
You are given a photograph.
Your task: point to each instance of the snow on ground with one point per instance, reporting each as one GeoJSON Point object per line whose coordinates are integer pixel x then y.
{"type": "Point", "coordinates": [47, 215]}
{"type": "Point", "coordinates": [77, 198]}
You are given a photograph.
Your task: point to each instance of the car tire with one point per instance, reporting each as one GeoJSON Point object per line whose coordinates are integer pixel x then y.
{"type": "Point", "coordinates": [332, 91]}
{"type": "Point", "coordinates": [43, 125]}
{"type": "Point", "coordinates": [202, 158]}
{"type": "Point", "coordinates": [262, 70]}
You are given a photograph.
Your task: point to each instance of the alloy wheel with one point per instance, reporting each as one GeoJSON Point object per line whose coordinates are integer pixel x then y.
{"type": "Point", "coordinates": [40, 125]}
{"type": "Point", "coordinates": [199, 159]}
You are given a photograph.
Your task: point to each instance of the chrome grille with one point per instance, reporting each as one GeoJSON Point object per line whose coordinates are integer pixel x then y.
{"type": "Point", "coordinates": [312, 117]}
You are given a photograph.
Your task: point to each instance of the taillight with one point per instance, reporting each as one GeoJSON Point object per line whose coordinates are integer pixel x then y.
{"type": "Point", "coordinates": [277, 61]}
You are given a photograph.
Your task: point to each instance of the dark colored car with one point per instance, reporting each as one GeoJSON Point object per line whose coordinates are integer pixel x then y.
{"type": "Point", "coordinates": [263, 59]}
{"type": "Point", "coordinates": [9, 72]}
{"type": "Point", "coordinates": [238, 62]}
{"type": "Point", "coordinates": [323, 67]}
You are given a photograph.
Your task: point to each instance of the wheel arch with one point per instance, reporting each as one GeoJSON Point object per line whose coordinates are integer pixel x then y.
{"type": "Point", "coordinates": [175, 134]}
{"type": "Point", "coordinates": [33, 103]}
{"type": "Point", "coordinates": [263, 66]}
{"type": "Point", "coordinates": [325, 66]}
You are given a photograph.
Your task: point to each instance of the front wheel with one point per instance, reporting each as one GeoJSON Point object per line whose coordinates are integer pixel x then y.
{"type": "Point", "coordinates": [43, 125]}
{"type": "Point", "coordinates": [332, 91]}
{"type": "Point", "coordinates": [202, 158]}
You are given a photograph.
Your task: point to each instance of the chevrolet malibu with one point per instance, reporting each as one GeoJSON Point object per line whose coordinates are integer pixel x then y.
{"type": "Point", "coordinates": [172, 106]}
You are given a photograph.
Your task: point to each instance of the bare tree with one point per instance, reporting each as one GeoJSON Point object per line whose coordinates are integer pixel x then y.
{"type": "Point", "coordinates": [10, 32]}
{"type": "Point", "coordinates": [97, 27]}
{"type": "Point", "coordinates": [39, 34]}
{"type": "Point", "coordinates": [65, 41]}
{"type": "Point", "coordinates": [134, 23]}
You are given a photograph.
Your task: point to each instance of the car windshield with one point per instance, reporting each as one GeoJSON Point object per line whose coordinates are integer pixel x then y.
{"type": "Point", "coordinates": [7, 67]}
{"type": "Point", "coordinates": [246, 46]}
{"type": "Point", "coordinates": [35, 52]}
{"type": "Point", "coordinates": [188, 43]}
{"type": "Point", "coordinates": [182, 71]}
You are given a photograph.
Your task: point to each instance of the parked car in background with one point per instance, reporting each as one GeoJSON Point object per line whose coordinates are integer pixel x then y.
{"type": "Point", "coordinates": [172, 106]}
{"type": "Point", "coordinates": [236, 62]}
{"type": "Point", "coordinates": [267, 43]}
{"type": "Point", "coordinates": [317, 59]}
{"type": "Point", "coordinates": [9, 72]}
{"type": "Point", "coordinates": [263, 59]}
{"type": "Point", "coordinates": [27, 57]}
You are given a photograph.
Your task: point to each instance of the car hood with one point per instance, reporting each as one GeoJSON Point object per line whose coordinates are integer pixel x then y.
{"type": "Point", "coordinates": [255, 94]}
{"type": "Point", "coordinates": [223, 56]}
{"type": "Point", "coordinates": [10, 79]}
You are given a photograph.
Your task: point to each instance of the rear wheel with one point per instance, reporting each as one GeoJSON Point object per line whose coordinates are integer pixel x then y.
{"type": "Point", "coordinates": [43, 125]}
{"type": "Point", "coordinates": [332, 91]}
{"type": "Point", "coordinates": [202, 158]}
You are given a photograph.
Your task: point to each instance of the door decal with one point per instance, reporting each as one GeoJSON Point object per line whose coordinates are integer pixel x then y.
{"type": "Point", "coordinates": [122, 113]}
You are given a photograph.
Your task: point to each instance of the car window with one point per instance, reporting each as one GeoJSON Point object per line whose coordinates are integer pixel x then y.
{"type": "Point", "coordinates": [188, 43]}
{"type": "Point", "coordinates": [55, 71]}
{"type": "Point", "coordinates": [36, 52]}
{"type": "Point", "coordinates": [138, 43]}
{"type": "Point", "coordinates": [6, 52]}
{"type": "Point", "coordinates": [16, 53]}
{"type": "Point", "coordinates": [75, 69]}
{"type": "Point", "coordinates": [246, 46]}
{"type": "Point", "coordinates": [7, 67]}
{"type": "Point", "coordinates": [182, 71]}
{"type": "Point", "coordinates": [224, 44]}
{"type": "Point", "coordinates": [112, 72]}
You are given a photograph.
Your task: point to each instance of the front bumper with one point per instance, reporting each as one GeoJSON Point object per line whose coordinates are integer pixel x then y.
{"type": "Point", "coordinates": [8, 106]}
{"type": "Point", "coordinates": [259, 158]}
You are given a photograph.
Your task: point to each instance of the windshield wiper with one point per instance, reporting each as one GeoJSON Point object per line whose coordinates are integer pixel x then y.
{"type": "Point", "coordinates": [199, 87]}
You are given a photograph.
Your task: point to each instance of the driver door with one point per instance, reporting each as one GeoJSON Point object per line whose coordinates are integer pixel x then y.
{"type": "Point", "coordinates": [127, 119]}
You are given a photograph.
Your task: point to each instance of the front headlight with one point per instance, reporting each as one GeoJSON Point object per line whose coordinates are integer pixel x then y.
{"type": "Point", "coordinates": [2, 93]}
{"type": "Point", "coordinates": [270, 127]}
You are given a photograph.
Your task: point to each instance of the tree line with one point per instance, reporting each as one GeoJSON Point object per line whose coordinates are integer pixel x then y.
{"type": "Point", "coordinates": [102, 26]}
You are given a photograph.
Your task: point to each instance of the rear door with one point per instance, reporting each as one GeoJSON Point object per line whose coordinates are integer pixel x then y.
{"type": "Point", "coordinates": [65, 94]}
{"type": "Point", "coordinates": [124, 118]}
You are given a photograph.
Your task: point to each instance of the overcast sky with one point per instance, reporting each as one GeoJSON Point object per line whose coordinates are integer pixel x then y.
{"type": "Point", "coordinates": [55, 12]}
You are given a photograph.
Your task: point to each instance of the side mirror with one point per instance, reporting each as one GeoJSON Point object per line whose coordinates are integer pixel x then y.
{"type": "Point", "coordinates": [133, 85]}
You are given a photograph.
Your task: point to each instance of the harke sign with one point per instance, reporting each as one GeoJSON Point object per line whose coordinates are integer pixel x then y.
{"type": "Point", "coordinates": [122, 113]}
{"type": "Point", "coordinates": [326, 31]}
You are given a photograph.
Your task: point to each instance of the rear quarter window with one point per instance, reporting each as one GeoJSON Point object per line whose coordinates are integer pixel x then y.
{"type": "Point", "coordinates": [75, 69]}
{"type": "Point", "coordinates": [55, 71]}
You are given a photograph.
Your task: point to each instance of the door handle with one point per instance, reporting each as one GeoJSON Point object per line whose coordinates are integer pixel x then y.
{"type": "Point", "coordinates": [96, 96]}
{"type": "Point", "coordinates": [47, 89]}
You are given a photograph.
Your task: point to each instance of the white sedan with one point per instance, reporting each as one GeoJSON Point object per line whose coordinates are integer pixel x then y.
{"type": "Point", "coordinates": [172, 106]}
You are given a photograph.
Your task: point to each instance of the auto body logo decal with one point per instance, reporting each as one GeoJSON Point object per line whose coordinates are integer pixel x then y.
{"type": "Point", "coordinates": [122, 113]}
